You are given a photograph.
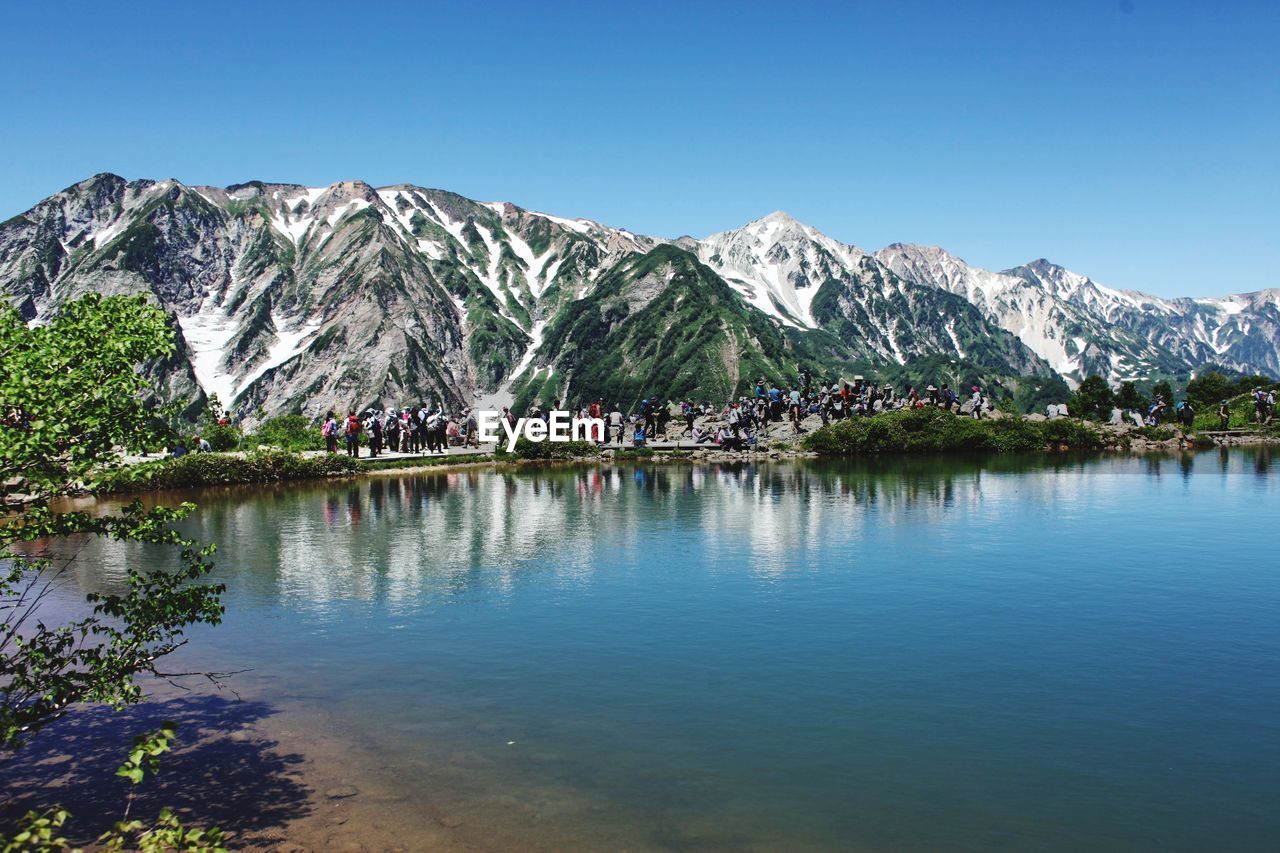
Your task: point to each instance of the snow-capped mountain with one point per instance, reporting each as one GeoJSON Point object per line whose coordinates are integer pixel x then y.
{"type": "Point", "coordinates": [1240, 331]}
{"type": "Point", "coordinates": [808, 281]}
{"type": "Point", "coordinates": [1082, 327]}
{"type": "Point", "coordinates": [778, 264]}
{"type": "Point", "coordinates": [290, 298]}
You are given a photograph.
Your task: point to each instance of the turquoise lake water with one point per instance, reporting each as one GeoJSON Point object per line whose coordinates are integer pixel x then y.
{"type": "Point", "coordinates": [915, 654]}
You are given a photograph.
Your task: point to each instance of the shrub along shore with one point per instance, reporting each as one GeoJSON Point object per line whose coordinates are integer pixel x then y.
{"type": "Point", "coordinates": [906, 431]}
{"type": "Point", "coordinates": [264, 466]}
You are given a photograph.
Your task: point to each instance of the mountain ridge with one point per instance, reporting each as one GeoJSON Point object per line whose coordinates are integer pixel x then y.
{"type": "Point", "coordinates": [287, 296]}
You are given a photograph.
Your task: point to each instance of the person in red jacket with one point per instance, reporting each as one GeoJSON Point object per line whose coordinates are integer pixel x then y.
{"type": "Point", "coordinates": [353, 435]}
{"type": "Point", "coordinates": [596, 410]}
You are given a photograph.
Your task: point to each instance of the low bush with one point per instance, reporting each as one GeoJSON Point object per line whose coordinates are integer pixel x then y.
{"type": "Point", "coordinates": [221, 438]}
{"type": "Point", "coordinates": [207, 469]}
{"type": "Point", "coordinates": [1070, 434]}
{"type": "Point", "coordinates": [287, 432]}
{"type": "Point", "coordinates": [526, 449]}
{"type": "Point", "coordinates": [1155, 433]}
{"type": "Point", "coordinates": [932, 430]}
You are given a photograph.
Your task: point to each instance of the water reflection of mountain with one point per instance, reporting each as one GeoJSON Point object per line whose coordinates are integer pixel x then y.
{"type": "Point", "coordinates": [442, 534]}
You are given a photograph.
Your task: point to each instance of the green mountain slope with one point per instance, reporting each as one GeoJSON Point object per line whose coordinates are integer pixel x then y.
{"type": "Point", "coordinates": [659, 323]}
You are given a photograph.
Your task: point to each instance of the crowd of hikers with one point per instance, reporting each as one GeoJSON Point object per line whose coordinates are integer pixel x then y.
{"type": "Point", "coordinates": [412, 429]}
{"type": "Point", "coordinates": [430, 429]}
{"type": "Point", "coordinates": [736, 425]}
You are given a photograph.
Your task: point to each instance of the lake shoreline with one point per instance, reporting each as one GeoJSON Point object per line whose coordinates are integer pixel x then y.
{"type": "Point", "coordinates": [268, 466]}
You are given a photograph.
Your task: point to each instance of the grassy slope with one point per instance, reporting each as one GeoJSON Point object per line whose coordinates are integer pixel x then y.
{"type": "Point", "coordinates": [694, 338]}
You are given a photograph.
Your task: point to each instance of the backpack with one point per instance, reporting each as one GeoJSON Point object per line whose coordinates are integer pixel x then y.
{"type": "Point", "coordinates": [327, 430]}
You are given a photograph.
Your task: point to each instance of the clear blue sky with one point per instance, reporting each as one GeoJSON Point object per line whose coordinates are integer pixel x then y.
{"type": "Point", "coordinates": [1131, 140]}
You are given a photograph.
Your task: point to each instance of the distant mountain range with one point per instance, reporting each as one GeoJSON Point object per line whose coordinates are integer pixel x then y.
{"type": "Point", "coordinates": [289, 298]}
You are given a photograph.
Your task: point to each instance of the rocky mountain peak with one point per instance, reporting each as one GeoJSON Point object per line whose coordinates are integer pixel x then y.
{"type": "Point", "coordinates": [300, 298]}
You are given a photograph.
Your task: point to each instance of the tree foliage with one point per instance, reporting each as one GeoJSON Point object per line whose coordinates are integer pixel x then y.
{"type": "Point", "coordinates": [1129, 397]}
{"type": "Point", "coordinates": [287, 432]}
{"type": "Point", "coordinates": [1209, 389]}
{"type": "Point", "coordinates": [1093, 400]}
{"type": "Point", "coordinates": [1165, 390]}
{"type": "Point", "coordinates": [71, 391]}
{"type": "Point", "coordinates": [72, 395]}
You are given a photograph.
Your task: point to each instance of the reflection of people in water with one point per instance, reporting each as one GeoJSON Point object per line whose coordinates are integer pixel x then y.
{"type": "Point", "coordinates": [353, 505]}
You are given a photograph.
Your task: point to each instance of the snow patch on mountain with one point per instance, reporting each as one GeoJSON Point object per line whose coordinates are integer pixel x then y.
{"type": "Point", "coordinates": [208, 333]}
{"type": "Point", "coordinates": [287, 344]}
{"type": "Point", "coordinates": [535, 335]}
{"type": "Point", "coordinates": [293, 224]}
{"type": "Point", "coordinates": [534, 266]}
{"type": "Point", "coordinates": [581, 226]}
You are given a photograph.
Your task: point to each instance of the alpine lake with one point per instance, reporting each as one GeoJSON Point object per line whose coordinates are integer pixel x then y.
{"type": "Point", "coordinates": [969, 653]}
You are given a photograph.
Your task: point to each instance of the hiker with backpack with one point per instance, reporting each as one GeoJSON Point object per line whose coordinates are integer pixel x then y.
{"type": "Point", "coordinates": [1186, 414]}
{"type": "Point", "coordinates": [1155, 413]}
{"type": "Point", "coordinates": [647, 417]}
{"type": "Point", "coordinates": [1264, 403]}
{"type": "Point", "coordinates": [948, 397]}
{"type": "Point", "coordinates": [613, 425]}
{"type": "Point", "coordinates": [329, 431]}
{"type": "Point", "coordinates": [473, 429]}
{"type": "Point", "coordinates": [353, 434]}
{"type": "Point", "coordinates": [431, 432]}
{"type": "Point", "coordinates": [661, 414]}
{"type": "Point", "coordinates": [776, 406]}
{"type": "Point", "coordinates": [402, 426]}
